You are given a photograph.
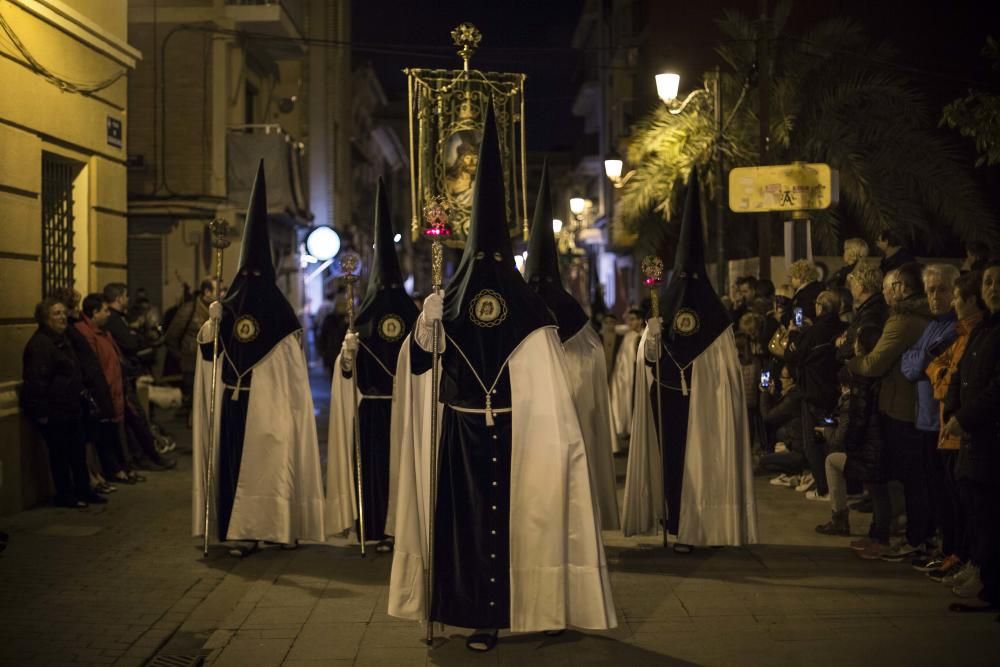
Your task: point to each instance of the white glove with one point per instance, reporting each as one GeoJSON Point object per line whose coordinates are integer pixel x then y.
{"type": "Point", "coordinates": [434, 308]}
{"type": "Point", "coordinates": [348, 351]}
{"type": "Point", "coordinates": [654, 326]}
{"type": "Point", "coordinates": [215, 311]}
{"type": "Point", "coordinates": [351, 343]}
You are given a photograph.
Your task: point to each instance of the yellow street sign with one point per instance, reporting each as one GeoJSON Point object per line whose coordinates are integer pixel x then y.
{"type": "Point", "coordinates": [787, 187]}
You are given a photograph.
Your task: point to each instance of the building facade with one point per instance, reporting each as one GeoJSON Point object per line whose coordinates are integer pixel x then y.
{"type": "Point", "coordinates": [63, 127]}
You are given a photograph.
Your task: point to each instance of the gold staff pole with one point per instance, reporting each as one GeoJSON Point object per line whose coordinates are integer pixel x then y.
{"type": "Point", "coordinates": [652, 268]}
{"type": "Point", "coordinates": [436, 215]}
{"type": "Point", "coordinates": [219, 228]}
{"type": "Point", "coordinates": [349, 265]}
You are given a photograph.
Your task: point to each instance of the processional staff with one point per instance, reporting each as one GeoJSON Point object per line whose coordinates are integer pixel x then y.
{"type": "Point", "coordinates": [652, 268]}
{"type": "Point", "coordinates": [436, 215]}
{"type": "Point", "coordinates": [349, 263]}
{"type": "Point", "coordinates": [219, 229]}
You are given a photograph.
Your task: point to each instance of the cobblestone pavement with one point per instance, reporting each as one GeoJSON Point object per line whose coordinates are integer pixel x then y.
{"type": "Point", "coordinates": [126, 584]}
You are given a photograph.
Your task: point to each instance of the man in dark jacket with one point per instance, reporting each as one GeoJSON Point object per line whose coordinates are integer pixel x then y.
{"type": "Point", "coordinates": [971, 406]}
{"type": "Point", "coordinates": [894, 255]}
{"type": "Point", "coordinates": [812, 352]}
{"type": "Point", "coordinates": [182, 335]}
{"type": "Point", "coordinates": [52, 397]}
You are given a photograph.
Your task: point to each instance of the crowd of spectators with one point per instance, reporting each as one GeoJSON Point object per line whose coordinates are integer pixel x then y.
{"type": "Point", "coordinates": [80, 371]}
{"type": "Point", "coordinates": [881, 386]}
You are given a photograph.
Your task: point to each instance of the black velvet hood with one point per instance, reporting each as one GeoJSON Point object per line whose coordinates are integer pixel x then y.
{"type": "Point", "coordinates": [693, 315]}
{"type": "Point", "coordinates": [256, 315]}
{"type": "Point", "coordinates": [542, 268]}
{"type": "Point", "coordinates": [488, 308]}
{"type": "Point", "coordinates": [387, 312]}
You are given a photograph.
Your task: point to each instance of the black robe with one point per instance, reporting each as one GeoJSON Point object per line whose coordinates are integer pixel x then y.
{"type": "Point", "coordinates": [472, 515]}
{"type": "Point", "coordinates": [674, 406]}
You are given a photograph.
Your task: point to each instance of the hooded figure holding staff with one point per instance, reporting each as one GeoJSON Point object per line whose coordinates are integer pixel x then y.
{"type": "Point", "coordinates": [267, 484]}
{"type": "Point", "coordinates": [516, 541]}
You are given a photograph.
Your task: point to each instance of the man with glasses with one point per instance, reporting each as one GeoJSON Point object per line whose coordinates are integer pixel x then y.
{"type": "Point", "coordinates": [909, 315]}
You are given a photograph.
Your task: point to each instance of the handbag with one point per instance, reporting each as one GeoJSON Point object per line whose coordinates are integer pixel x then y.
{"type": "Point", "coordinates": [778, 343]}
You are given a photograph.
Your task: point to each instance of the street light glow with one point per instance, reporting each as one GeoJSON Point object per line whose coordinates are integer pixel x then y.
{"type": "Point", "coordinates": [667, 85]}
{"type": "Point", "coordinates": [397, 238]}
{"type": "Point", "coordinates": [577, 204]}
{"type": "Point", "coordinates": [556, 225]}
{"type": "Point", "coordinates": [323, 243]}
{"type": "Point", "coordinates": [613, 168]}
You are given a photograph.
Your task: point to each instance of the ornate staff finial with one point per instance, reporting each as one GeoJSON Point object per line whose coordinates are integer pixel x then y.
{"type": "Point", "coordinates": [652, 268]}
{"type": "Point", "coordinates": [219, 229]}
{"type": "Point", "coordinates": [436, 215]}
{"type": "Point", "coordinates": [466, 37]}
{"type": "Point", "coordinates": [347, 265]}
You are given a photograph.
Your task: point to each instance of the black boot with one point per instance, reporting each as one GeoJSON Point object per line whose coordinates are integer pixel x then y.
{"type": "Point", "coordinates": [838, 525]}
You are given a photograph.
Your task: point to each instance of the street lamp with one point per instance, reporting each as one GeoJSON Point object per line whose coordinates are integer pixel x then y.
{"type": "Point", "coordinates": [577, 204]}
{"type": "Point", "coordinates": [556, 225]}
{"type": "Point", "coordinates": [613, 166]}
{"type": "Point", "coordinates": [667, 87]}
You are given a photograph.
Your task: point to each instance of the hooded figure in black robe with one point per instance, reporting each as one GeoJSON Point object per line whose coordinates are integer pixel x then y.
{"type": "Point", "coordinates": [267, 481]}
{"type": "Point", "coordinates": [585, 361]}
{"type": "Point", "coordinates": [516, 539]}
{"type": "Point", "coordinates": [384, 319]}
{"type": "Point", "coordinates": [705, 476]}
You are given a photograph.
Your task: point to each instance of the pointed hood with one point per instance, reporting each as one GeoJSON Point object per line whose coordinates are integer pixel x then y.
{"type": "Point", "coordinates": [693, 315]}
{"type": "Point", "coordinates": [488, 308]}
{"type": "Point", "coordinates": [387, 312]}
{"type": "Point", "coordinates": [256, 316]}
{"type": "Point", "coordinates": [255, 250]}
{"type": "Point", "coordinates": [542, 268]}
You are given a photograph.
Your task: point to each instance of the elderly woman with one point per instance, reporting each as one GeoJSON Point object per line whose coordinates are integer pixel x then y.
{"type": "Point", "coordinates": [804, 277]}
{"type": "Point", "coordinates": [52, 398]}
{"type": "Point", "coordinates": [855, 250]}
{"type": "Point", "coordinates": [971, 407]}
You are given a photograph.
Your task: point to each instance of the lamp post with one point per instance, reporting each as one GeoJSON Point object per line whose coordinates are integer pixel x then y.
{"type": "Point", "coordinates": [667, 88]}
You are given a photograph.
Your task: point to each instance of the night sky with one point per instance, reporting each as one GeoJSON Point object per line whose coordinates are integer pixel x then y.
{"type": "Point", "coordinates": [940, 41]}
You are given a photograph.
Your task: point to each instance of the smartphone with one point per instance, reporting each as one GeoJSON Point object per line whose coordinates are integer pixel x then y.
{"type": "Point", "coordinates": [765, 379]}
{"type": "Point", "coordinates": [798, 316]}
{"type": "Point", "coordinates": [829, 421]}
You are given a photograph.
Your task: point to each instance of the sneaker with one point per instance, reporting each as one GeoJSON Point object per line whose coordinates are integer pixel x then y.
{"type": "Point", "coordinates": [926, 563]}
{"type": "Point", "coordinates": [807, 482]}
{"type": "Point", "coordinates": [874, 551]}
{"type": "Point", "coordinates": [901, 552]}
{"type": "Point", "coordinates": [815, 495]}
{"type": "Point", "coordinates": [862, 544]}
{"type": "Point", "coordinates": [785, 480]}
{"type": "Point", "coordinates": [971, 587]}
{"type": "Point", "coordinates": [958, 576]}
{"type": "Point", "coordinates": [950, 564]}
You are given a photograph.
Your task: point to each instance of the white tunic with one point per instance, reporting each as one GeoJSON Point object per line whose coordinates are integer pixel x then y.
{"type": "Point", "coordinates": [622, 382]}
{"type": "Point", "coordinates": [588, 381]}
{"type": "Point", "coordinates": [279, 495]}
{"type": "Point", "coordinates": [717, 498]}
{"type": "Point", "coordinates": [558, 571]}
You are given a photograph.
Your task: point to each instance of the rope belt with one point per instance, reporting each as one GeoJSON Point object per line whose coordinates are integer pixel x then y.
{"type": "Point", "coordinates": [489, 411]}
{"type": "Point", "coordinates": [375, 397]}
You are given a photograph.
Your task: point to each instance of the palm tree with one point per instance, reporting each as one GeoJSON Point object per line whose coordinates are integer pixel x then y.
{"type": "Point", "coordinates": [836, 98]}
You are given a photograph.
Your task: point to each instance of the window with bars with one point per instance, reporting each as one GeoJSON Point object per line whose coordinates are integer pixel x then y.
{"type": "Point", "coordinates": [57, 223]}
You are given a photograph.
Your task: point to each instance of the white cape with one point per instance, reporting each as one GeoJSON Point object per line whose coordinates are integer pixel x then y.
{"type": "Point", "coordinates": [717, 497]}
{"type": "Point", "coordinates": [622, 382]}
{"type": "Point", "coordinates": [341, 505]}
{"type": "Point", "coordinates": [279, 495]}
{"type": "Point", "coordinates": [558, 571]}
{"type": "Point", "coordinates": [588, 380]}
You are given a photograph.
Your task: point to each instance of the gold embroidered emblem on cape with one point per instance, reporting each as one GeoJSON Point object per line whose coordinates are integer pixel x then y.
{"type": "Point", "coordinates": [686, 322]}
{"type": "Point", "coordinates": [391, 327]}
{"type": "Point", "coordinates": [487, 309]}
{"type": "Point", "coordinates": [246, 329]}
